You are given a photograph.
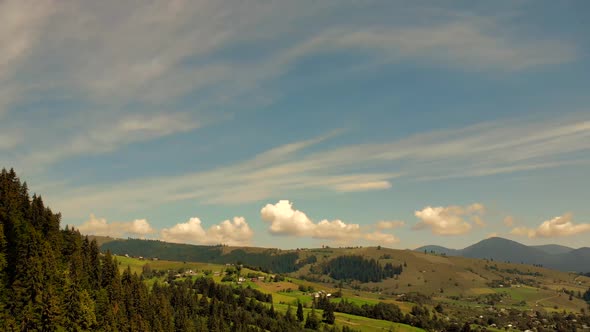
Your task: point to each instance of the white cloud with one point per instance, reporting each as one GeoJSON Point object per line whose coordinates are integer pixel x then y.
{"type": "Point", "coordinates": [389, 224]}
{"type": "Point", "coordinates": [478, 150]}
{"type": "Point", "coordinates": [470, 151]}
{"type": "Point", "coordinates": [556, 227]}
{"type": "Point", "coordinates": [234, 232]}
{"type": "Point", "coordinates": [450, 220]}
{"type": "Point", "coordinates": [100, 226]}
{"type": "Point", "coordinates": [364, 186]}
{"type": "Point", "coordinates": [468, 42]}
{"type": "Point", "coordinates": [109, 136]}
{"type": "Point", "coordinates": [21, 23]}
{"type": "Point", "coordinates": [285, 220]}
{"type": "Point", "coordinates": [10, 139]}
{"type": "Point", "coordinates": [523, 231]}
{"type": "Point", "coordinates": [188, 232]}
{"type": "Point", "coordinates": [336, 229]}
{"type": "Point", "coordinates": [380, 237]}
{"type": "Point", "coordinates": [509, 221]}
{"type": "Point", "coordinates": [101, 58]}
{"type": "Point", "coordinates": [478, 221]}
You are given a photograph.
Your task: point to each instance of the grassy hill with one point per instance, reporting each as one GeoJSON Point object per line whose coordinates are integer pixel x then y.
{"type": "Point", "coordinates": [458, 286]}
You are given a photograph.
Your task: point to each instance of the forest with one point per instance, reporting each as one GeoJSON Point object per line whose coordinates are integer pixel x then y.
{"type": "Point", "coordinates": [54, 279]}
{"type": "Point", "coordinates": [356, 267]}
{"type": "Point", "coordinates": [267, 260]}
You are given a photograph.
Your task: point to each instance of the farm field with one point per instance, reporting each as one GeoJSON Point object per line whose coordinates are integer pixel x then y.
{"type": "Point", "coordinates": [464, 287]}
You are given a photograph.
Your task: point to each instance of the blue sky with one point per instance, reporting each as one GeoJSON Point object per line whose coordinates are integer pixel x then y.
{"type": "Point", "coordinates": [302, 123]}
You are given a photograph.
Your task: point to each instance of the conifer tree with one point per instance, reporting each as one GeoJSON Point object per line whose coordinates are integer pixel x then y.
{"type": "Point", "coordinates": [3, 280]}
{"type": "Point", "coordinates": [312, 322]}
{"type": "Point", "coordinates": [328, 315]}
{"type": "Point", "coordinates": [289, 314]}
{"type": "Point", "coordinates": [299, 312]}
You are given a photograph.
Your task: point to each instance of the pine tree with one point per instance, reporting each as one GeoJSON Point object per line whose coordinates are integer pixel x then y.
{"type": "Point", "coordinates": [3, 280]}
{"type": "Point", "coordinates": [328, 315]}
{"type": "Point", "coordinates": [312, 322]}
{"type": "Point", "coordinates": [299, 312]}
{"type": "Point", "coordinates": [289, 314]}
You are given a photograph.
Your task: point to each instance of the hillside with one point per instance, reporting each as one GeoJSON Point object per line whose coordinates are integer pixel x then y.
{"type": "Point", "coordinates": [553, 248]}
{"type": "Point", "coordinates": [504, 250]}
{"type": "Point", "coordinates": [425, 273]}
{"type": "Point", "coordinates": [264, 258]}
{"type": "Point", "coordinates": [54, 279]}
{"type": "Point", "coordinates": [461, 286]}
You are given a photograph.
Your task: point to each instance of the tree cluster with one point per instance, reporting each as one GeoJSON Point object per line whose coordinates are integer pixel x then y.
{"type": "Point", "coordinates": [356, 267]}
{"type": "Point", "coordinates": [54, 279]}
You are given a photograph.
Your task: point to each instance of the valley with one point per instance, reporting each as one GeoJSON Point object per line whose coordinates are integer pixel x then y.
{"type": "Point", "coordinates": [485, 292]}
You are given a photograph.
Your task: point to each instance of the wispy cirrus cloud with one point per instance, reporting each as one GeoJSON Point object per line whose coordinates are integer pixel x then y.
{"type": "Point", "coordinates": [100, 56]}
{"type": "Point", "coordinates": [80, 57]}
{"type": "Point", "coordinates": [498, 146]}
{"type": "Point", "coordinates": [110, 136]}
{"type": "Point", "coordinates": [467, 42]}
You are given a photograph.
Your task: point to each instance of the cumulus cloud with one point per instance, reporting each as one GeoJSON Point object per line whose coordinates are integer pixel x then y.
{"type": "Point", "coordinates": [231, 232]}
{"type": "Point", "coordinates": [558, 226]}
{"type": "Point", "coordinates": [389, 224]}
{"type": "Point", "coordinates": [336, 229]}
{"type": "Point", "coordinates": [509, 221]}
{"type": "Point", "coordinates": [380, 237]}
{"type": "Point", "coordinates": [523, 231]}
{"type": "Point", "coordinates": [285, 220]}
{"type": "Point", "coordinates": [450, 220]}
{"type": "Point", "coordinates": [100, 226]}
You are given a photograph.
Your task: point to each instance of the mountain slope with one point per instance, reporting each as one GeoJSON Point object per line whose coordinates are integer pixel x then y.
{"type": "Point", "coordinates": [439, 250]}
{"type": "Point", "coordinates": [552, 256]}
{"type": "Point", "coordinates": [553, 249]}
{"type": "Point", "coordinates": [504, 250]}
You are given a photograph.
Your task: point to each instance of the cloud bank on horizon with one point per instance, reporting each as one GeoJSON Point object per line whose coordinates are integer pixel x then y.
{"type": "Point", "coordinates": [393, 118]}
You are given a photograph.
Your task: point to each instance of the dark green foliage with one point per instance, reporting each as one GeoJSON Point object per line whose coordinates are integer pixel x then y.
{"type": "Point", "coordinates": [312, 322]}
{"type": "Point", "coordinates": [56, 280]}
{"type": "Point", "coordinates": [299, 312]}
{"type": "Point", "coordinates": [328, 314]}
{"type": "Point", "coordinates": [269, 260]}
{"type": "Point", "coordinates": [359, 268]}
{"type": "Point", "coordinates": [586, 296]}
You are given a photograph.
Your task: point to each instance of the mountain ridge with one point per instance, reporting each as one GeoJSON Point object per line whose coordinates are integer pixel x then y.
{"type": "Point", "coordinates": [552, 256]}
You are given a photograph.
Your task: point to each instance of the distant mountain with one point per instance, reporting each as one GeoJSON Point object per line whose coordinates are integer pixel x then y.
{"type": "Point", "coordinates": [554, 248]}
{"type": "Point", "coordinates": [500, 249]}
{"type": "Point", "coordinates": [440, 250]}
{"type": "Point", "coordinates": [504, 250]}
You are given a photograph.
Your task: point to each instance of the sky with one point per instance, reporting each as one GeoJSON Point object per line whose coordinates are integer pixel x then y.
{"type": "Point", "coordinates": [302, 123]}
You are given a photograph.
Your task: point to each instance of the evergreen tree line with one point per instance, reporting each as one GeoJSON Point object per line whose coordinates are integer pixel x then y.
{"type": "Point", "coordinates": [54, 279]}
{"type": "Point", "coordinates": [419, 316]}
{"type": "Point", "coordinates": [356, 267]}
{"type": "Point", "coordinates": [269, 260]}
